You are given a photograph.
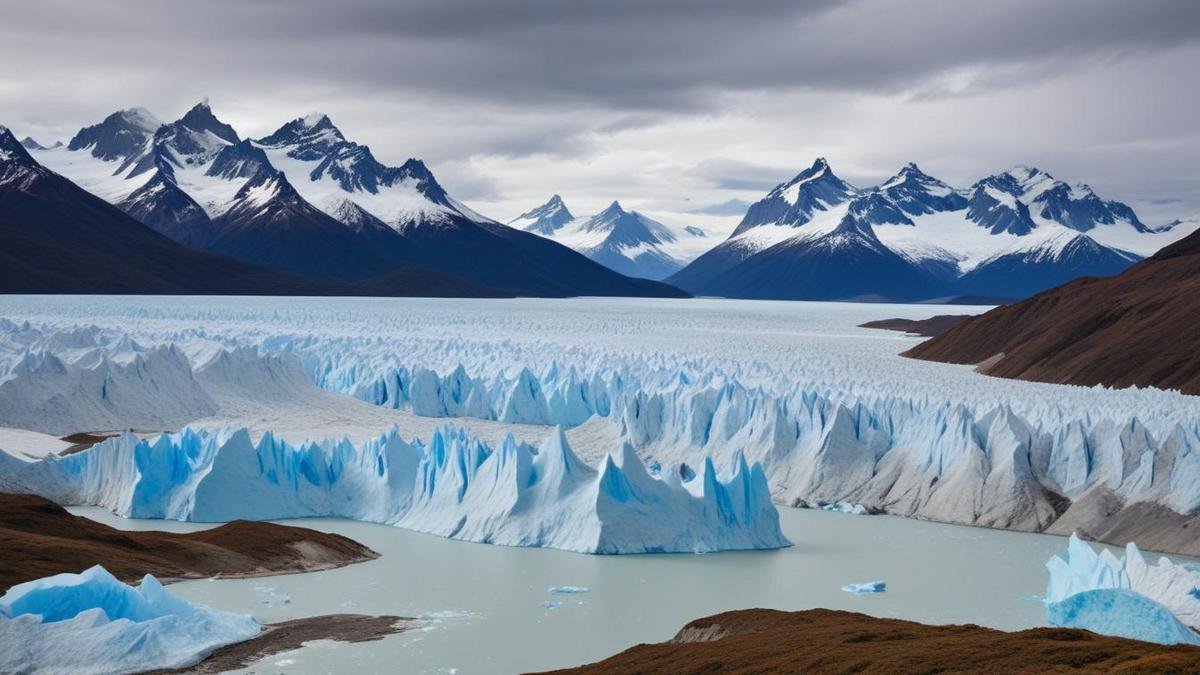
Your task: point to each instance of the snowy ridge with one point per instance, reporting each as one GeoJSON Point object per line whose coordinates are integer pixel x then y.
{"type": "Point", "coordinates": [454, 486]}
{"type": "Point", "coordinates": [1010, 235]}
{"type": "Point", "coordinates": [628, 242]}
{"type": "Point", "coordinates": [92, 623]}
{"type": "Point", "coordinates": [1124, 596]}
{"type": "Point", "coordinates": [954, 451]}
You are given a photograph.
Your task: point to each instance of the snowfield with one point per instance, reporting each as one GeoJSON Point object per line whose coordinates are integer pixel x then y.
{"type": "Point", "coordinates": [828, 409]}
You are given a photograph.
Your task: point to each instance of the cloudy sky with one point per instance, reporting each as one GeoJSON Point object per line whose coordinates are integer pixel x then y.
{"type": "Point", "coordinates": [667, 105]}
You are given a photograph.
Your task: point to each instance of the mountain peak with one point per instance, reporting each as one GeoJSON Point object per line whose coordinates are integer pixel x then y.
{"type": "Point", "coordinates": [11, 150]}
{"type": "Point", "coordinates": [31, 144]}
{"type": "Point", "coordinates": [614, 209]}
{"type": "Point", "coordinates": [545, 219]}
{"type": "Point", "coordinates": [316, 119]}
{"type": "Point", "coordinates": [201, 118]}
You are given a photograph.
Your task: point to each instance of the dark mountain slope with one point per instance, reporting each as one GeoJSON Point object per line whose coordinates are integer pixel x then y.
{"type": "Point", "coordinates": [1137, 328]}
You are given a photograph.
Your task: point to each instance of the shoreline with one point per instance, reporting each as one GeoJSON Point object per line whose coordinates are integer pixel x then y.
{"type": "Point", "coordinates": [825, 640]}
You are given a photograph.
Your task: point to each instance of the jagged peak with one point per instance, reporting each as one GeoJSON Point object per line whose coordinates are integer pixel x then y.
{"type": "Point", "coordinates": [201, 118]}
{"type": "Point", "coordinates": [11, 149]}
{"type": "Point", "coordinates": [314, 119]}
{"type": "Point", "coordinates": [613, 209]}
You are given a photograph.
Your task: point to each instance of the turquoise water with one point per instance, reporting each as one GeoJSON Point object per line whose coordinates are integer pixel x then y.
{"type": "Point", "coordinates": [483, 605]}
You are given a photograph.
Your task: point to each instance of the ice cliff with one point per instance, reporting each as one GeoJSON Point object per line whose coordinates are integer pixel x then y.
{"type": "Point", "coordinates": [1127, 596]}
{"type": "Point", "coordinates": [453, 486]}
{"type": "Point", "coordinates": [93, 623]}
{"type": "Point", "coordinates": [829, 420]}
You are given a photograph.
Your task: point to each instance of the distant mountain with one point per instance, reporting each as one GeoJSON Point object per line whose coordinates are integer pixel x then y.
{"type": "Point", "coordinates": [625, 241]}
{"type": "Point", "coordinates": [438, 231]}
{"type": "Point", "coordinates": [1008, 236]}
{"type": "Point", "coordinates": [29, 144]}
{"type": "Point", "coordinates": [732, 207]}
{"type": "Point", "coordinates": [306, 200]}
{"type": "Point", "coordinates": [847, 262]}
{"type": "Point", "coordinates": [56, 237]}
{"type": "Point", "coordinates": [1133, 329]}
{"type": "Point", "coordinates": [545, 219]}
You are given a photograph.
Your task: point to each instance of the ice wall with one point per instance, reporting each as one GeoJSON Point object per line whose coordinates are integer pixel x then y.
{"type": "Point", "coordinates": [453, 486]}
{"type": "Point", "coordinates": [965, 449]}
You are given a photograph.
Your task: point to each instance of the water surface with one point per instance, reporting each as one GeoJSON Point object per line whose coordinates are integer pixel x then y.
{"type": "Point", "coordinates": [484, 604]}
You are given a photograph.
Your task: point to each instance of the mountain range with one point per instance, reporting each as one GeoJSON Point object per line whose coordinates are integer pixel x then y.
{"type": "Point", "coordinates": [626, 241]}
{"type": "Point", "coordinates": [56, 237]}
{"type": "Point", "coordinates": [915, 238]}
{"type": "Point", "coordinates": [307, 201]}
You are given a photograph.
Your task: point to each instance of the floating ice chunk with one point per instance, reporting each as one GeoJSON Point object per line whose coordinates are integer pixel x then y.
{"type": "Point", "coordinates": [1122, 613]}
{"type": "Point", "coordinates": [453, 486]}
{"type": "Point", "coordinates": [846, 507]}
{"type": "Point", "coordinates": [557, 590]}
{"type": "Point", "coordinates": [551, 604]}
{"type": "Point", "coordinates": [93, 623]}
{"type": "Point", "coordinates": [1168, 584]}
{"type": "Point", "coordinates": [868, 587]}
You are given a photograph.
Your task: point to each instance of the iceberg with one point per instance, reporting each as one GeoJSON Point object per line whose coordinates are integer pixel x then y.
{"type": "Point", "coordinates": [560, 590]}
{"type": "Point", "coordinates": [92, 623]}
{"type": "Point", "coordinates": [846, 507]}
{"type": "Point", "coordinates": [1123, 596]}
{"type": "Point", "coordinates": [868, 587]}
{"type": "Point", "coordinates": [454, 486]}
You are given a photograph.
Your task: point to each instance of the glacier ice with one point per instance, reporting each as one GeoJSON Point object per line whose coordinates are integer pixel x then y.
{"type": "Point", "coordinates": [831, 413]}
{"type": "Point", "coordinates": [1122, 613]}
{"type": "Point", "coordinates": [559, 590]}
{"type": "Point", "coordinates": [846, 507]}
{"type": "Point", "coordinates": [453, 485]}
{"type": "Point", "coordinates": [867, 587]}
{"type": "Point", "coordinates": [92, 623]}
{"type": "Point", "coordinates": [1124, 596]}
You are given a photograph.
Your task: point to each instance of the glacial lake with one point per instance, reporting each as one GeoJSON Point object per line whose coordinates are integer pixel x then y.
{"type": "Point", "coordinates": [483, 606]}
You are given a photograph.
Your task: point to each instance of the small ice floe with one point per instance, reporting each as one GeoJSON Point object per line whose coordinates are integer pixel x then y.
{"type": "Point", "coordinates": [552, 604]}
{"type": "Point", "coordinates": [273, 597]}
{"type": "Point", "coordinates": [869, 587]}
{"type": "Point", "coordinates": [846, 507]}
{"type": "Point", "coordinates": [563, 590]}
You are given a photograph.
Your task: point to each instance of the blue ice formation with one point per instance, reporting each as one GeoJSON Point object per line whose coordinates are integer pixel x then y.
{"type": "Point", "coordinates": [846, 507]}
{"type": "Point", "coordinates": [1122, 613]}
{"type": "Point", "coordinates": [560, 590]}
{"type": "Point", "coordinates": [1126, 597]}
{"type": "Point", "coordinates": [829, 420]}
{"type": "Point", "coordinates": [92, 623]}
{"type": "Point", "coordinates": [868, 587]}
{"type": "Point", "coordinates": [453, 486]}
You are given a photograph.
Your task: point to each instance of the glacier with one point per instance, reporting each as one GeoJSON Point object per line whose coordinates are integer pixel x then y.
{"type": "Point", "coordinates": [1126, 597]}
{"type": "Point", "coordinates": [829, 410]}
{"type": "Point", "coordinates": [453, 486]}
{"type": "Point", "coordinates": [92, 623]}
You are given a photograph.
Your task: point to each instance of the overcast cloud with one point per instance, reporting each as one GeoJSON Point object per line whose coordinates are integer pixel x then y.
{"type": "Point", "coordinates": [666, 105]}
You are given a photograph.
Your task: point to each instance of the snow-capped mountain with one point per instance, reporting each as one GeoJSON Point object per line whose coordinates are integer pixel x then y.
{"type": "Point", "coordinates": [307, 200]}
{"type": "Point", "coordinates": [545, 219]}
{"type": "Point", "coordinates": [628, 242]}
{"type": "Point", "coordinates": [1010, 235]}
{"type": "Point", "coordinates": [57, 237]}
